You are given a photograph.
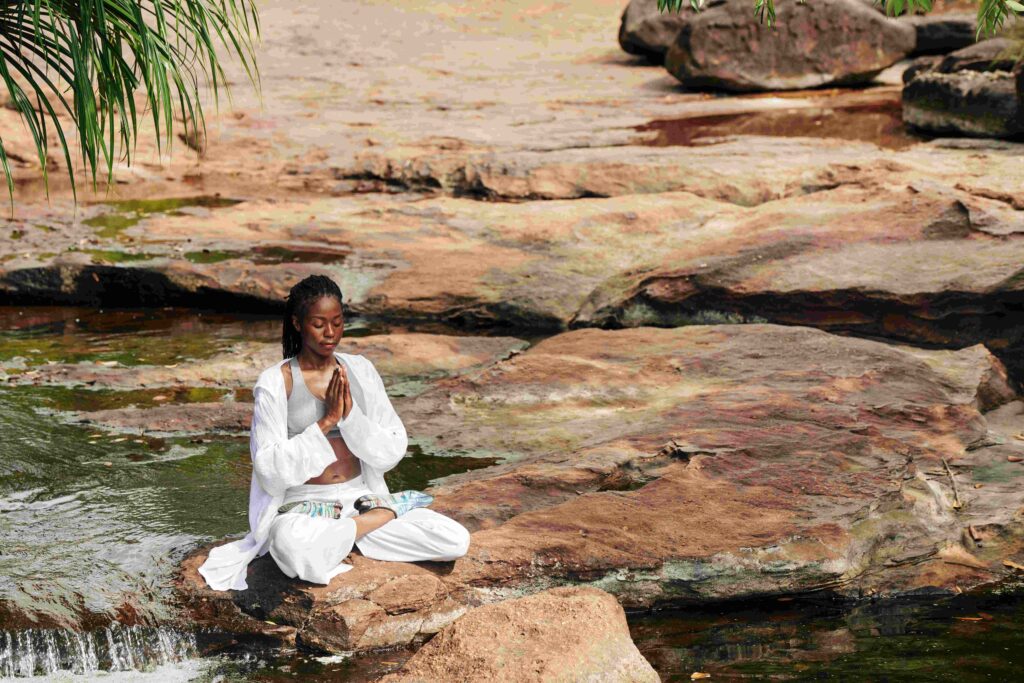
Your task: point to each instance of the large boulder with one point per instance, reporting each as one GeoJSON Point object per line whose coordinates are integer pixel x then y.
{"type": "Point", "coordinates": [647, 31]}
{"type": "Point", "coordinates": [563, 634]}
{"type": "Point", "coordinates": [699, 463]}
{"type": "Point", "coordinates": [971, 92]}
{"type": "Point", "coordinates": [825, 42]}
{"type": "Point", "coordinates": [942, 33]}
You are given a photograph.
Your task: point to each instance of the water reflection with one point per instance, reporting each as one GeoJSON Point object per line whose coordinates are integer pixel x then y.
{"type": "Point", "coordinates": [964, 639]}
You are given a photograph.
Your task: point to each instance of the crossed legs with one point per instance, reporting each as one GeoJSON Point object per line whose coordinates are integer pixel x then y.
{"type": "Point", "coordinates": [312, 548]}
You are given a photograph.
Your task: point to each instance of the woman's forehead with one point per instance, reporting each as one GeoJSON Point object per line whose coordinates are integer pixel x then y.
{"type": "Point", "coordinates": [325, 306]}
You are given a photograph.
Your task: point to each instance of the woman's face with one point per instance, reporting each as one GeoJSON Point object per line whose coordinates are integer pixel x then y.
{"type": "Point", "coordinates": [322, 327]}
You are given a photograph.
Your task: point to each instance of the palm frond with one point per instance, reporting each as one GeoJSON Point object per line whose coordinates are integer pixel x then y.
{"type": "Point", "coordinates": [101, 52]}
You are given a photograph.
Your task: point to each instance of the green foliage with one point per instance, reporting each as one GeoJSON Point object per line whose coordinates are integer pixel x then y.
{"type": "Point", "coordinates": [991, 13]}
{"type": "Point", "coordinates": [99, 52]}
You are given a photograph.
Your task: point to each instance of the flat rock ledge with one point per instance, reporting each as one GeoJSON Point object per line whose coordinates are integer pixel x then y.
{"type": "Point", "coordinates": [559, 635]}
{"type": "Point", "coordinates": [687, 465]}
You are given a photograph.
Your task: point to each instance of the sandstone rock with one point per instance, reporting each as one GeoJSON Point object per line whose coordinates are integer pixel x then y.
{"type": "Point", "coordinates": [942, 33]}
{"type": "Point", "coordinates": [745, 172]}
{"type": "Point", "coordinates": [995, 54]}
{"type": "Point", "coordinates": [697, 463]}
{"type": "Point", "coordinates": [648, 32]}
{"type": "Point", "coordinates": [972, 91]}
{"type": "Point", "coordinates": [563, 634]}
{"type": "Point", "coordinates": [830, 42]}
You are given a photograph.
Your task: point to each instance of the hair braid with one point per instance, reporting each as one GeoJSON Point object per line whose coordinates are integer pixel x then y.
{"type": "Point", "coordinates": [300, 297]}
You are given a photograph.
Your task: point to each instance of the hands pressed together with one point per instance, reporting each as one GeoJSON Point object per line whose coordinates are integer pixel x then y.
{"type": "Point", "coordinates": [338, 397]}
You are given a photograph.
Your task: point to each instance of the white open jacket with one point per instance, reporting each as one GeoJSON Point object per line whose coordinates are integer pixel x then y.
{"type": "Point", "coordinates": [373, 432]}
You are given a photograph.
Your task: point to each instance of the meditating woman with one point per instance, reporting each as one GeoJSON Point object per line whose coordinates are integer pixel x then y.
{"type": "Point", "coordinates": [318, 463]}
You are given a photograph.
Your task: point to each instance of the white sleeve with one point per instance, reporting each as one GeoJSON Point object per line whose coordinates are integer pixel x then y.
{"type": "Point", "coordinates": [376, 436]}
{"type": "Point", "coordinates": [279, 462]}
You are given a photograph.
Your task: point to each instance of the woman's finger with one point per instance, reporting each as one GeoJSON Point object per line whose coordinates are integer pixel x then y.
{"type": "Point", "coordinates": [332, 386]}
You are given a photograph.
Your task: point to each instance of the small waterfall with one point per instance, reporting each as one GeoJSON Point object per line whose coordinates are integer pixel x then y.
{"type": "Point", "coordinates": [34, 652]}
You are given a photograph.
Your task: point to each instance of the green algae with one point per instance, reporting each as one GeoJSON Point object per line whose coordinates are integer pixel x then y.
{"type": "Point", "coordinates": [213, 256]}
{"type": "Point", "coordinates": [125, 214]}
{"type": "Point", "coordinates": [267, 255]}
{"type": "Point", "coordinates": [80, 399]}
{"type": "Point", "coordinates": [639, 314]}
{"type": "Point", "coordinates": [126, 337]}
{"type": "Point", "coordinates": [112, 256]}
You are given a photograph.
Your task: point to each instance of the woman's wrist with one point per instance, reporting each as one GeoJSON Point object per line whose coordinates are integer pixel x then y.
{"type": "Point", "coordinates": [327, 423]}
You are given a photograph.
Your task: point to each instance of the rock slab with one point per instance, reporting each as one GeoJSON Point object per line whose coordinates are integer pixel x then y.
{"type": "Point", "coordinates": [687, 465]}
{"type": "Point", "coordinates": [563, 634]}
{"type": "Point", "coordinates": [648, 32]}
{"type": "Point", "coordinates": [831, 42]}
{"type": "Point", "coordinates": [972, 92]}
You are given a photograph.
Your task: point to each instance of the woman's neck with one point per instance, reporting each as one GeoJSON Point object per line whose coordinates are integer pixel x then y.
{"type": "Point", "coordinates": [313, 361]}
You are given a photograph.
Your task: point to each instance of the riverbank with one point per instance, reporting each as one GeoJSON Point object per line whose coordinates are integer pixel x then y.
{"type": "Point", "coordinates": [779, 332]}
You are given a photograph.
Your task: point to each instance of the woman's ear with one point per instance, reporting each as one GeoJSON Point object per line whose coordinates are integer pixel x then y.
{"type": "Point", "coordinates": [295, 324]}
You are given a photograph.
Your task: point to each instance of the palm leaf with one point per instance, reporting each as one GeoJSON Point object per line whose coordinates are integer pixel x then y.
{"type": "Point", "coordinates": [102, 52]}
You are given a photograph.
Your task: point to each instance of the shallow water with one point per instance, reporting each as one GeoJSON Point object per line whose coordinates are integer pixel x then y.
{"type": "Point", "coordinates": [878, 122]}
{"type": "Point", "coordinates": [969, 638]}
{"type": "Point", "coordinates": [93, 523]}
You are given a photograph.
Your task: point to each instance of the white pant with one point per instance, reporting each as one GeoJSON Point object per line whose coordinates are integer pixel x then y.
{"type": "Point", "coordinates": [312, 548]}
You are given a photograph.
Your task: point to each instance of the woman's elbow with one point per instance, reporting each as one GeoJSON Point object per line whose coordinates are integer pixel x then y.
{"type": "Point", "coordinates": [265, 472]}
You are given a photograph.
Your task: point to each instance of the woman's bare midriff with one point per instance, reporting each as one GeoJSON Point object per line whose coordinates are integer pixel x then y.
{"type": "Point", "coordinates": [345, 466]}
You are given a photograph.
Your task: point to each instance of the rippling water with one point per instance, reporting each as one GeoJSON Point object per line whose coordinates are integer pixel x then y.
{"type": "Point", "coordinates": [94, 523]}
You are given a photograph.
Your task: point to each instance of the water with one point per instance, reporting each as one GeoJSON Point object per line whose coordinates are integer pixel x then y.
{"type": "Point", "coordinates": [36, 652]}
{"type": "Point", "coordinates": [92, 526]}
{"type": "Point", "coordinates": [879, 122]}
{"type": "Point", "coordinates": [93, 523]}
{"type": "Point", "coordinates": [969, 638]}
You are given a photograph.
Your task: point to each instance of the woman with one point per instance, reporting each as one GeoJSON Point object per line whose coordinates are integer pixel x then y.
{"type": "Point", "coordinates": [318, 463]}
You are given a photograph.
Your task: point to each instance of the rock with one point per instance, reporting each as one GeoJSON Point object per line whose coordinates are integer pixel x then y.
{"type": "Point", "coordinates": [975, 103]}
{"type": "Point", "coordinates": [745, 172]}
{"type": "Point", "coordinates": [563, 634]}
{"type": "Point", "coordinates": [942, 33]}
{"type": "Point", "coordinates": [648, 32]}
{"type": "Point", "coordinates": [831, 42]}
{"type": "Point", "coordinates": [972, 92]}
{"type": "Point", "coordinates": [995, 54]}
{"type": "Point", "coordinates": [635, 258]}
{"type": "Point", "coordinates": [699, 463]}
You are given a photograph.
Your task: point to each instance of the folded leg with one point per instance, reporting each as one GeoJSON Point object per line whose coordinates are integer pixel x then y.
{"type": "Point", "coordinates": [418, 535]}
{"type": "Point", "coordinates": [311, 548]}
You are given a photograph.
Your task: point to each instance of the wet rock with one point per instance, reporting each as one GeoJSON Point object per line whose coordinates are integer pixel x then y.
{"type": "Point", "coordinates": [813, 44]}
{"type": "Point", "coordinates": [977, 103]}
{"type": "Point", "coordinates": [647, 31]}
{"type": "Point", "coordinates": [697, 463]}
{"type": "Point", "coordinates": [563, 634]}
{"type": "Point", "coordinates": [410, 362]}
{"type": "Point", "coordinates": [904, 244]}
{"type": "Point", "coordinates": [995, 54]}
{"type": "Point", "coordinates": [942, 33]}
{"type": "Point", "coordinates": [972, 91]}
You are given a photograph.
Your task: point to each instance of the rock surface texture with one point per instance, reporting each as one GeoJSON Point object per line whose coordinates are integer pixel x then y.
{"type": "Point", "coordinates": [813, 44]}
{"type": "Point", "coordinates": [563, 635]}
{"type": "Point", "coordinates": [675, 465]}
{"type": "Point", "coordinates": [648, 32]}
{"type": "Point", "coordinates": [974, 91]}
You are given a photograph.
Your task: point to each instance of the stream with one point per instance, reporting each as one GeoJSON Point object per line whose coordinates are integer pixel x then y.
{"type": "Point", "coordinates": [93, 524]}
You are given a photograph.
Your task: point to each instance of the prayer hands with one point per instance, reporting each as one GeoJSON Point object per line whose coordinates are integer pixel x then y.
{"type": "Point", "coordinates": [338, 396]}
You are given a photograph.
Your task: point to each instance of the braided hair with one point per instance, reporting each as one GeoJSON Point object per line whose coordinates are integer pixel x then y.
{"type": "Point", "coordinates": [300, 297]}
